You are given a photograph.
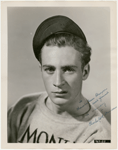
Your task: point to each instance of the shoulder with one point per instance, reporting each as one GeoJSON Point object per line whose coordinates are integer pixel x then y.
{"type": "Point", "coordinates": [100, 124]}
{"type": "Point", "coordinates": [19, 114]}
{"type": "Point", "coordinates": [29, 99]}
{"type": "Point", "coordinates": [25, 105]}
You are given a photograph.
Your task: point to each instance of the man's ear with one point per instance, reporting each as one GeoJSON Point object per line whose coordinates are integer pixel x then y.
{"type": "Point", "coordinates": [40, 66]}
{"type": "Point", "coordinates": [86, 71]}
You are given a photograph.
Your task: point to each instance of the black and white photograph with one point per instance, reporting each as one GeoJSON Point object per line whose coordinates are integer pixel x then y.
{"type": "Point", "coordinates": [59, 75]}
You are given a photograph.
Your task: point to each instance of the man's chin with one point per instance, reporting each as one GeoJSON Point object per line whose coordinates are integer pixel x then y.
{"type": "Point", "coordinates": [59, 100]}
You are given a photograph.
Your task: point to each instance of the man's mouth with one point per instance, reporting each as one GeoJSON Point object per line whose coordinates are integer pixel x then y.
{"type": "Point", "coordinates": [60, 92]}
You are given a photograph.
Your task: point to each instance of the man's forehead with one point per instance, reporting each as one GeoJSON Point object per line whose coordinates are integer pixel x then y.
{"type": "Point", "coordinates": [55, 50]}
{"type": "Point", "coordinates": [60, 55]}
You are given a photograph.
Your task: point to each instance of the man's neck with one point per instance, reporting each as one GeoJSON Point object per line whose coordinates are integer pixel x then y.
{"type": "Point", "coordinates": [78, 108]}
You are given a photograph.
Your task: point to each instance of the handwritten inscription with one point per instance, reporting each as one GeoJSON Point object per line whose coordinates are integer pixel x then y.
{"type": "Point", "coordinates": [103, 96]}
{"type": "Point", "coordinates": [102, 92]}
{"type": "Point", "coordinates": [103, 104]}
{"type": "Point", "coordinates": [98, 97]}
{"type": "Point", "coordinates": [98, 119]}
{"type": "Point", "coordinates": [82, 106]}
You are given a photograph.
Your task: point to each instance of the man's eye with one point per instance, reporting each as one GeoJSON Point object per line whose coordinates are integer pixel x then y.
{"type": "Point", "coordinates": [49, 70]}
{"type": "Point", "coordinates": [69, 70]}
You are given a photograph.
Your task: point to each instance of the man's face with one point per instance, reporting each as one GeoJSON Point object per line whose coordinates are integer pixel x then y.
{"type": "Point", "coordinates": [62, 73]}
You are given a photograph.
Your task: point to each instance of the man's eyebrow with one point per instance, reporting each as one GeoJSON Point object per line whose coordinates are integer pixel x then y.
{"type": "Point", "coordinates": [69, 66]}
{"type": "Point", "coordinates": [48, 66]}
{"type": "Point", "coordinates": [66, 66]}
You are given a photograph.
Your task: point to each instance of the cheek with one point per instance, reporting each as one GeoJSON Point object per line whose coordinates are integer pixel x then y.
{"type": "Point", "coordinates": [47, 81]}
{"type": "Point", "coordinates": [75, 81]}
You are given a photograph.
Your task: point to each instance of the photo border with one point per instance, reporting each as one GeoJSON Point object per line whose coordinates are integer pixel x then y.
{"type": "Point", "coordinates": [4, 68]}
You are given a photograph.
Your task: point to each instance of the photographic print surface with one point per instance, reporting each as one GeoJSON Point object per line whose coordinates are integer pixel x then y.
{"type": "Point", "coordinates": [25, 75]}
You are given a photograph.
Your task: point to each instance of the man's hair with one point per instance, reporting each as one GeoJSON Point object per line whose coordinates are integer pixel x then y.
{"type": "Point", "coordinates": [65, 39]}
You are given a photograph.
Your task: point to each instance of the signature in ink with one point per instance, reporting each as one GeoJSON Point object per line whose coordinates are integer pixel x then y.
{"type": "Point", "coordinates": [103, 104]}
{"type": "Point", "coordinates": [96, 120]}
{"type": "Point", "coordinates": [100, 117]}
{"type": "Point", "coordinates": [103, 96]}
{"type": "Point", "coordinates": [82, 106]}
{"type": "Point", "coordinates": [94, 100]}
{"type": "Point", "coordinates": [97, 94]}
{"type": "Point", "coordinates": [91, 99]}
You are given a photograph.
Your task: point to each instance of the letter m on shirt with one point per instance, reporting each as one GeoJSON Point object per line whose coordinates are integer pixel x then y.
{"type": "Point", "coordinates": [27, 134]}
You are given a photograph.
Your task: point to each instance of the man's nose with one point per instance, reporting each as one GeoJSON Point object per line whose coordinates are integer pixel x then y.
{"type": "Point", "coordinates": [58, 79]}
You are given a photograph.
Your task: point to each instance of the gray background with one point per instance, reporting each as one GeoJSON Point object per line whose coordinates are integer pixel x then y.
{"type": "Point", "coordinates": [24, 74]}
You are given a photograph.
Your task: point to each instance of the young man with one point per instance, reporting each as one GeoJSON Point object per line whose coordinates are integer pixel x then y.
{"type": "Point", "coordinates": [61, 114]}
